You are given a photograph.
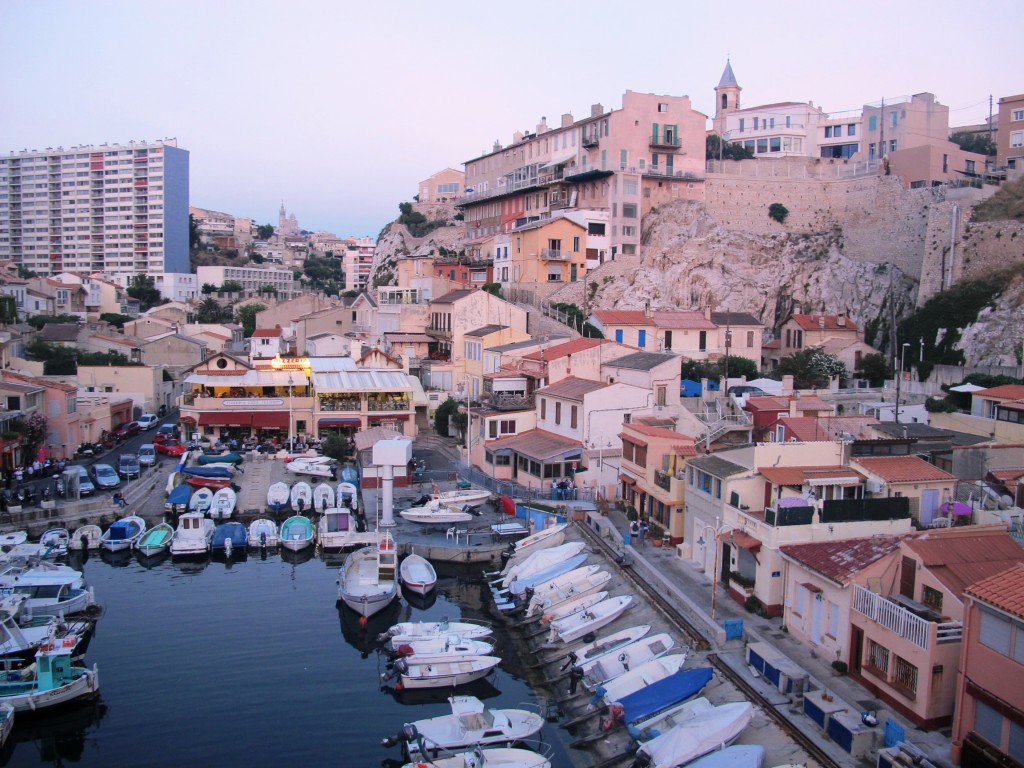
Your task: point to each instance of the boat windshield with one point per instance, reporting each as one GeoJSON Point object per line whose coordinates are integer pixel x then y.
{"type": "Point", "coordinates": [476, 721]}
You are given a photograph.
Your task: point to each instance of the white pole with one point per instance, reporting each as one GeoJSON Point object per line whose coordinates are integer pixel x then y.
{"type": "Point", "coordinates": [387, 473]}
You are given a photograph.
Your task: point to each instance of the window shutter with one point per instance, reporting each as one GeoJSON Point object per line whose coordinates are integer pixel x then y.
{"type": "Point", "coordinates": [654, 134]}
{"type": "Point", "coordinates": [995, 632]}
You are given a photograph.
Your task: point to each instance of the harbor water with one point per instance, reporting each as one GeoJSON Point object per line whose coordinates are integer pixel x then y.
{"type": "Point", "coordinates": [248, 663]}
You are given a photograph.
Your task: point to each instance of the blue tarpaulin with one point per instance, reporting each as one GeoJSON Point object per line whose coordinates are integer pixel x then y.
{"type": "Point", "coordinates": [180, 495]}
{"type": "Point", "coordinates": [672, 690]}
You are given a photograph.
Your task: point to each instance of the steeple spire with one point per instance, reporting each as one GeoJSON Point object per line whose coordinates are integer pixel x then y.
{"type": "Point", "coordinates": [728, 78]}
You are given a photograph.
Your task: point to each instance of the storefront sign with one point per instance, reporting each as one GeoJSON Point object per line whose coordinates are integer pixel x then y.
{"type": "Point", "coordinates": [254, 402]}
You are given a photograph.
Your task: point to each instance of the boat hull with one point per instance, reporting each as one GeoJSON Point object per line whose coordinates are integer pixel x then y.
{"type": "Point", "coordinates": [418, 575]}
{"type": "Point", "coordinates": [24, 698]}
{"type": "Point", "coordinates": [296, 533]}
{"type": "Point", "coordinates": [446, 674]}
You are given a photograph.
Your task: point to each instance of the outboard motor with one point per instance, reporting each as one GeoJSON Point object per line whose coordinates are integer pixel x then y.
{"type": "Point", "coordinates": [642, 760]}
{"type": "Point", "coordinates": [263, 539]}
{"type": "Point", "coordinates": [572, 657]}
{"type": "Point", "coordinates": [400, 667]}
{"type": "Point", "coordinates": [228, 547]}
{"type": "Point", "coordinates": [407, 735]}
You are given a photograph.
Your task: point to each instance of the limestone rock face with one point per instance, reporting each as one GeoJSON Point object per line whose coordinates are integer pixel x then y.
{"type": "Point", "coordinates": [995, 338]}
{"type": "Point", "coordinates": [396, 243]}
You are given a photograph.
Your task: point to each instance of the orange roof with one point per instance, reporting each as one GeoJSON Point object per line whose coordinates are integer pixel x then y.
{"type": "Point", "coordinates": [960, 557]}
{"type": "Point", "coordinates": [1004, 392]}
{"type": "Point", "coordinates": [1004, 590]}
{"type": "Point", "coordinates": [769, 403]}
{"type": "Point", "coordinates": [644, 429]}
{"type": "Point", "coordinates": [824, 322]}
{"type": "Point", "coordinates": [672, 319]}
{"type": "Point", "coordinates": [267, 332]}
{"type": "Point", "coordinates": [811, 428]}
{"type": "Point", "coordinates": [803, 475]}
{"type": "Point", "coordinates": [568, 348]}
{"type": "Point", "coordinates": [901, 469]}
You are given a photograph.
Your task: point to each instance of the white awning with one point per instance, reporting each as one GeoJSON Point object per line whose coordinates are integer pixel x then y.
{"type": "Point", "coordinates": [251, 379]}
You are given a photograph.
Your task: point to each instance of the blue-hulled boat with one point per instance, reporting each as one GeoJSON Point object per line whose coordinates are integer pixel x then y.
{"type": "Point", "coordinates": [220, 458]}
{"type": "Point", "coordinates": [661, 695]}
{"type": "Point", "coordinates": [213, 472]}
{"type": "Point", "coordinates": [229, 538]}
{"type": "Point", "coordinates": [178, 497]}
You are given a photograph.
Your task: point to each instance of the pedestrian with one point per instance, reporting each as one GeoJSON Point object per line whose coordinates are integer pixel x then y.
{"type": "Point", "coordinates": [554, 489]}
{"type": "Point", "coordinates": [643, 533]}
{"type": "Point", "coordinates": [19, 476]}
{"type": "Point", "coordinates": [634, 529]}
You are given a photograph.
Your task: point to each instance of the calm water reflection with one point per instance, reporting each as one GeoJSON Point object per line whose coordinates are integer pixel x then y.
{"type": "Point", "coordinates": [246, 663]}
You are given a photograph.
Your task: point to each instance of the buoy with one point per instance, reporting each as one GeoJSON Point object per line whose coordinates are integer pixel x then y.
{"type": "Point", "coordinates": [363, 621]}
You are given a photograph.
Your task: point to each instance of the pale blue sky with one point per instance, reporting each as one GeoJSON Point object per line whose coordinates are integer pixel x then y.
{"type": "Point", "coordinates": [339, 109]}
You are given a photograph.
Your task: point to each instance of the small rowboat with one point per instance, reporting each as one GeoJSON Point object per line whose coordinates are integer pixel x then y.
{"type": "Point", "coordinates": [417, 574]}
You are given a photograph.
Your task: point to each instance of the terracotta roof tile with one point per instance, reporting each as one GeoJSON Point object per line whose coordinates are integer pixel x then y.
{"type": "Point", "coordinates": [537, 444]}
{"type": "Point", "coordinates": [840, 561]}
{"type": "Point", "coordinates": [1004, 590]}
{"type": "Point", "coordinates": [824, 322]}
{"type": "Point", "coordinates": [269, 333]}
{"type": "Point", "coordinates": [901, 469]}
{"type": "Point", "coordinates": [1004, 392]}
{"type": "Point", "coordinates": [960, 557]}
{"type": "Point", "coordinates": [803, 475]}
{"type": "Point", "coordinates": [650, 431]}
{"type": "Point", "coordinates": [568, 348]}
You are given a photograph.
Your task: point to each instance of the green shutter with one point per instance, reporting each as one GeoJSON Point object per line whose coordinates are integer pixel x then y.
{"type": "Point", "coordinates": [654, 135]}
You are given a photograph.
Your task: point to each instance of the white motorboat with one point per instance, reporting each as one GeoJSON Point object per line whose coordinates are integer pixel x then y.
{"type": "Point", "coordinates": [193, 535]}
{"type": "Point", "coordinates": [520, 584]}
{"type": "Point", "coordinates": [297, 533]}
{"type": "Point", "coordinates": [417, 574]}
{"type": "Point", "coordinates": [201, 500]}
{"type": "Point", "coordinates": [470, 723]}
{"type": "Point", "coordinates": [440, 672]}
{"type": "Point", "coordinates": [609, 666]}
{"type": "Point", "coordinates": [85, 537]}
{"type": "Point", "coordinates": [55, 542]}
{"type": "Point", "coordinates": [316, 466]}
{"type": "Point", "coordinates": [688, 734]}
{"type": "Point", "coordinates": [610, 644]}
{"type": "Point", "coordinates": [55, 681]}
{"type": "Point", "coordinates": [595, 617]}
{"type": "Point", "coordinates": [736, 756]}
{"type": "Point", "coordinates": [263, 533]}
{"type": "Point", "coordinates": [570, 585]}
{"type": "Point", "coordinates": [539, 561]}
{"type": "Point", "coordinates": [545, 538]}
{"type": "Point", "coordinates": [368, 581]}
{"type": "Point", "coordinates": [447, 645]}
{"type": "Point", "coordinates": [277, 496]}
{"type": "Point", "coordinates": [347, 496]}
{"type": "Point", "coordinates": [494, 757]}
{"type": "Point", "coordinates": [223, 504]}
{"type": "Point", "coordinates": [49, 589]}
{"type": "Point", "coordinates": [323, 497]}
{"type": "Point", "coordinates": [19, 642]}
{"type": "Point", "coordinates": [461, 496]}
{"type": "Point", "coordinates": [633, 680]}
{"type": "Point", "coordinates": [435, 513]}
{"type": "Point", "coordinates": [122, 534]}
{"type": "Point", "coordinates": [156, 540]}
{"type": "Point", "coordinates": [12, 539]}
{"type": "Point", "coordinates": [301, 497]}
{"type": "Point", "coordinates": [411, 631]}
{"type": "Point", "coordinates": [569, 607]}
{"type": "Point", "coordinates": [336, 529]}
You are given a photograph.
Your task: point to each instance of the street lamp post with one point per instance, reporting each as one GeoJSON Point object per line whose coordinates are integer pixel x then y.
{"type": "Point", "coordinates": [899, 378]}
{"type": "Point", "coordinates": [291, 420]}
{"type": "Point", "coordinates": [717, 531]}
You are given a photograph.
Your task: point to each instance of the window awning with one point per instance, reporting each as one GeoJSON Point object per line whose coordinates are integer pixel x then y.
{"type": "Point", "coordinates": [187, 420]}
{"type": "Point", "coordinates": [225, 419]}
{"type": "Point", "coordinates": [745, 541]}
{"type": "Point", "coordinates": [627, 479]}
{"type": "Point", "coordinates": [388, 417]}
{"type": "Point", "coordinates": [270, 420]}
{"type": "Point", "coordinates": [338, 422]}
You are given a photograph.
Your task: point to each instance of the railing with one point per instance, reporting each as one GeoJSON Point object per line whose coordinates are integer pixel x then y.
{"type": "Point", "coordinates": [903, 622]}
{"type": "Point", "coordinates": [515, 490]}
{"type": "Point", "coordinates": [773, 168]}
{"type": "Point", "coordinates": [551, 254]}
{"type": "Point", "coordinates": [666, 141]}
{"type": "Point", "coordinates": [353, 404]}
{"type": "Point", "coordinates": [663, 480]}
{"type": "Point", "coordinates": [387, 405]}
{"type": "Point", "coordinates": [590, 141]}
{"type": "Point", "coordinates": [670, 173]}
{"type": "Point", "coordinates": [503, 401]}
{"type": "Point", "coordinates": [439, 333]}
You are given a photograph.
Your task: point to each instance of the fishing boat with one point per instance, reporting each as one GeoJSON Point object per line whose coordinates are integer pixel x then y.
{"type": "Point", "coordinates": [417, 574]}
{"type": "Point", "coordinates": [85, 537]}
{"type": "Point", "coordinates": [49, 589]}
{"type": "Point", "coordinates": [610, 666]}
{"type": "Point", "coordinates": [301, 497]}
{"type": "Point", "coordinates": [545, 538]}
{"type": "Point", "coordinates": [347, 495]}
{"type": "Point", "coordinates": [6, 722]}
{"type": "Point", "coordinates": [661, 696]}
{"type": "Point", "coordinates": [410, 631]}
{"type": "Point", "coordinates": [539, 561]}
{"type": "Point", "coordinates": [323, 497]}
{"type": "Point", "coordinates": [232, 457]}
{"type": "Point", "coordinates": [297, 533]}
{"type": "Point", "coordinates": [156, 540]}
{"type": "Point", "coordinates": [632, 680]}
{"type": "Point", "coordinates": [263, 534]}
{"type": "Point", "coordinates": [223, 504]}
{"type": "Point", "coordinates": [55, 542]}
{"type": "Point", "coordinates": [447, 645]}
{"type": "Point", "coordinates": [568, 586]}
{"type": "Point", "coordinates": [201, 500]}
{"type": "Point", "coordinates": [368, 581]}
{"type": "Point", "coordinates": [193, 535]}
{"type": "Point", "coordinates": [229, 538]}
{"type": "Point", "coordinates": [596, 616]}
{"type": "Point", "coordinates": [56, 680]}
{"type": "Point", "coordinates": [21, 633]}
{"type": "Point", "coordinates": [440, 673]}
{"type": "Point", "coordinates": [470, 723]}
{"type": "Point", "coordinates": [277, 496]}
{"type": "Point", "coordinates": [494, 757]}
{"type": "Point", "coordinates": [435, 513]}
{"type": "Point", "coordinates": [686, 736]}
{"type": "Point", "coordinates": [520, 584]}
{"type": "Point", "coordinates": [122, 534]}
{"type": "Point", "coordinates": [336, 528]}
{"type": "Point", "coordinates": [315, 466]}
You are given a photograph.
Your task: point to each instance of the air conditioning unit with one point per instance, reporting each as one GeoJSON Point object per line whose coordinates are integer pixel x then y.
{"type": "Point", "coordinates": [874, 486]}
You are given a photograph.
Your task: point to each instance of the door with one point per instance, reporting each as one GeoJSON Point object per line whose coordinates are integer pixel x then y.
{"type": "Point", "coordinates": [929, 506]}
{"type": "Point", "coordinates": [816, 612]}
{"type": "Point", "coordinates": [856, 648]}
{"type": "Point", "coordinates": [908, 577]}
{"type": "Point", "coordinates": [723, 572]}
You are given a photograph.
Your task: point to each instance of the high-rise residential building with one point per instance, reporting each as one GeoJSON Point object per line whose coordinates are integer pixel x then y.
{"type": "Point", "coordinates": [116, 209]}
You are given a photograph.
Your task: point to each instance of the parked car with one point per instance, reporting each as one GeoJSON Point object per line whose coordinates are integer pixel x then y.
{"type": "Point", "coordinates": [170, 447]}
{"type": "Point", "coordinates": [85, 485]}
{"type": "Point", "coordinates": [105, 477]}
{"type": "Point", "coordinates": [148, 421]}
{"type": "Point", "coordinates": [128, 466]}
{"type": "Point", "coordinates": [131, 429]}
{"type": "Point", "coordinates": [163, 432]}
{"type": "Point", "coordinates": [147, 455]}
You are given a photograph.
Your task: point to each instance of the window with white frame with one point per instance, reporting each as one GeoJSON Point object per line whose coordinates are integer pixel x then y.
{"type": "Point", "coordinates": [1017, 138]}
{"type": "Point", "coordinates": [1018, 114]}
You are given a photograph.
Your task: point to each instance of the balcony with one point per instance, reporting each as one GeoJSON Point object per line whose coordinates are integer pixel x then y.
{"type": "Point", "coordinates": [908, 624]}
{"type": "Point", "coordinates": [670, 172]}
{"type": "Point", "coordinates": [550, 254]}
{"type": "Point", "coordinates": [665, 142]}
{"type": "Point", "coordinates": [591, 141]}
{"type": "Point", "coordinates": [510, 401]}
{"type": "Point", "coordinates": [353, 404]}
{"type": "Point", "coordinates": [245, 403]}
{"type": "Point", "coordinates": [386, 404]}
{"type": "Point", "coordinates": [439, 333]}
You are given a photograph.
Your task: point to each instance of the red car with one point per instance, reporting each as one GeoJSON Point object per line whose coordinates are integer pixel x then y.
{"type": "Point", "coordinates": [131, 429]}
{"type": "Point", "coordinates": [170, 447]}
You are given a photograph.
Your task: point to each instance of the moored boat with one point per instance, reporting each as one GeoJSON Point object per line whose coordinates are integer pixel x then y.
{"type": "Point", "coordinates": [447, 645]}
{"type": "Point", "coordinates": [193, 535]}
{"type": "Point", "coordinates": [223, 504]}
{"type": "Point", "coordinates": [435, 513]}
{"type": "Point", "coordinates": [48, 589]}
{"type": "Point", "coordinates": [609, 666]}
{"type": "Point", "coordinates": [277, 496]}
{"type": "Point", "coordinates": [85, 537]}
{"type": "Point", "coordinates": [705, 731]}
{"type": "Point", "coordinates": [633, 679]}
{"type": "Point", "coordinates": [538, 561]}
{"type": "Point", "coordinates": [552, 536]}
{"type": "Point", "coordinates": [410, 631]}
{"type": "Point", "coordinates": [200, 500]}
{"type": "Point", "coordinates": [568, 586]}
{"type": "Point", "coordinates": [417, 574]}
{"type": "Point", "coordinates": [440, 673]}
{"type": "Point", "coordinates": [569, 607]}
{"type": "Point", "coordinates": [336, 529]}
{"type": "Point", "coordinates": [462, 496]}
{"type": "Point", "coordinates": [263, 534]}
{"type": "Point", "coordinates": [55, 542]}
{"type": "Point", "coordinates": [660, 696]}
{"type": "Point", "coordinates": [368, 581]}
{"type": "Point", "coordinates": [323, 497]}
{"type": "Point", "coordinates": [229, 538]}
{"type": "Point", "coordinates": [297, 533]}
{"type": "Point", "coordinates": [12, 539]}
{"type": "Point", "coordinates": [122, 534]}
{"type": "Point", "coordinates": [347, 495]}
{"type": "Point", "coordinates": [521, 583]}
{"type": "Point", "coordinates": [493, 757]}
{"type": "Point", "coordinates": [155, 540]}
{"type": "Point", "coordinates": [301, 497]}
{"type": "Point", "coordinates": [610, 644]}
{"type": "Point", "coordinates": [596, 616]}
{"type": "Point", "coordinates": [56, 680]}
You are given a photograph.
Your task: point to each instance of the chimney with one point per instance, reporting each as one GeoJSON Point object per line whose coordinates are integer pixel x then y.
{"type": "Point", "coordinates": [792, 405]}
{"type": "Point", "coordinates": [567, 120]}
{"type": "Point", "coordinates": [542, 126]}
{"type": "Point", "coordinates": [647, 309]}
{"type": "Point", "coordinates": [707, 313]}
{"type": "Point", "coordinates": [497, 146]}
{"type": "Point", "coordinates": [517, 137]}
{"type": "Point", "coordinates": [596, 110]}
{"type": "Point", "coordinates": [355, 349]}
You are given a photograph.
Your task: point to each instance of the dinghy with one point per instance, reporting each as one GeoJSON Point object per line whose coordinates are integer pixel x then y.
{"type": "Point", "coordinates": [263, 533]}
{"type": "Point", "coordinates": [323, 497]}
{"type": "Point", "coordinates": [596, 616]}
{"type": "Point", "coordinates": [6, 722]}
{"type": "Point", "coordinates": [55, 542]}
{"type": "Point", "coordinates": [336, 529]}
{"type": "Point", "coordinates": [440, 673]}
{"type": "Point", "coordinates": [212, 472]}
{"type": "Point", "coordinates": [277, 496]}
{"type": "Point", "coordinates": [156, 540]}
{"type": "Point", "coordinates": [319, 466]}
{"type": "Point", "coordinates": [609, 666]}
{"type": "Point", "coordinates": [301, 497]}
{"type": "Point", "coordinates": [737, 756]}
{"type": "Point", "coordinates": [569, 607]}
{"type": "Point", "coordinates": [701, 733]}
{"type": "Point", "coordinates": [56, 680]}
{"type": "Point", "coordinates": [297, 533]}
{"type": "Point", "coordinates": [495, 757]}
{"type": "Point", "coordinates": [470, 723]}
{"type": "Point", "coordinates": [545, 538]}
{"type": "Point", "coordinates": [447, 645]}
{"type": "Point", "coordinates": [122, 534]}
{"type": "Point", "coordinates": [435, 513]}
{"type": "Point", "coordinates": [223, 504]}
{"type": "Point", "coordinates": [659, 697]}
{"type": "Point", "coordinates": [177, 499]}
{"type": "Point", "coordinates": [461, 496]}
{"type": "Point", "coordinates": [193, 535]}
{"type": "Point", "coordinates": [520, 584]}
{"type": "Point", "coordinates": [347, 495]}
{"type": "Point", "coordinates": [417, 574]}
{"type": "Point", "coordinates": [231, 457]}
{"type": "Point", "coordinates": [632, 680]}
{"type": "Point", "coordinates": [411, 631]}
{"type": "Point", "coordinates": [85, 537]}
{"type": "Point", "coordinates": [368, 581]}
{"type": "Point", "coordinates": [229, 538]}
{"type": "Point", "coordinates": [201, 500]}
{"type": "Point", "coordinates": [213, 483]}
{"type": "Point", "coordinates": [539, 561]}
{"type": "Point", "coordinates": [10, 540]}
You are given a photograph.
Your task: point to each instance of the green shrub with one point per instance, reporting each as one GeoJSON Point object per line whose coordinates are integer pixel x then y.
{"type": "Point", "coordinates": [779, 212]}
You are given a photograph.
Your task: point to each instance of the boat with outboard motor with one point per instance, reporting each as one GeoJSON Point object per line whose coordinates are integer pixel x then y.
{"type": "Point", "coordinates": [193, 535]}
{"type": "Point", "coordinates": [411, 631]}
{"type": "Point", "coordinates": [277, 496]}
{"type": "Point", "coordinates": [122, 534]}
{"type": "Point", "coordinates": [368, 581]}
{"type": "Point", "coordinates": [56, 680]}
{"type": "Point", "coordinates": [593, 618]}
{"type": "Point", "coordinates": [263, 534]}
{"type": "Point", "coordinates": [223, 504]}
{"type": "Point", "coordinates": [438, 672]}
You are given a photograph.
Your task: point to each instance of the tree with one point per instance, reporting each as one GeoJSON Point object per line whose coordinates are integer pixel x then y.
{"type": "Point", "coordinates": [8, 309]}
{"type": "Point", "coordinates": [232, 286]}
{"type": "Point", "coordinates": [115, 319]}
{"type": "Point", "coordinates": [695, 370]}
{"type": "Point", "coordinates": [335, 446]}
{"type": "Point", "coordinates": [736, 366]}
{"type": "Point", "coordinates": [208, 288]}
{"type": "Point", "coordinates": [38, 321]}
{"type": "Point", "coordinates": [811, 368]}
{"type": "Point", "coordinates": [730, 151]}
{"type": "Point", "coordinates": [779, 212]}
{"type": "Point", "coordinates": [143, 288]}
{"type": "Point", "coordinates": [264, 232]}
{"type": "Point", "coordinates": [969, 141]}
{"type": "Point", "coordinates": [193, 233]}
{"type": "Point", "coordinates": [267, 290]}
{"type": "Point", "coordinates": [209, 311]}
{"type": "Point", "coordinates": [256, 258]}
{"type": "Point", "coordinates": [34, 435]}
{"type": "Point", "coordinates": [320, 271]}
{"type": "Point", "coordinates": [443, 413]}
{"type": "Point", "coordinates": [246, 316]}
{"type": "Point", "coordinates": [875, 368]}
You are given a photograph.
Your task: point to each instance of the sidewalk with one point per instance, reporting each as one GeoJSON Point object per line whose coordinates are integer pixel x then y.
{"type": "Point", "coordinates": [691, 590]}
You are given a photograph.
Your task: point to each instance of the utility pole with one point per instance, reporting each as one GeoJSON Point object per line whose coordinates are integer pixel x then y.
{"type": "Point", "coordinates": [990, 118]}
{"type": "Point", "coordinates": [881, 128]}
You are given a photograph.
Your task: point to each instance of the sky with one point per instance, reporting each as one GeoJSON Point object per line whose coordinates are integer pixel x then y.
{"type": "Point", "coordinates": [339, 109]}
